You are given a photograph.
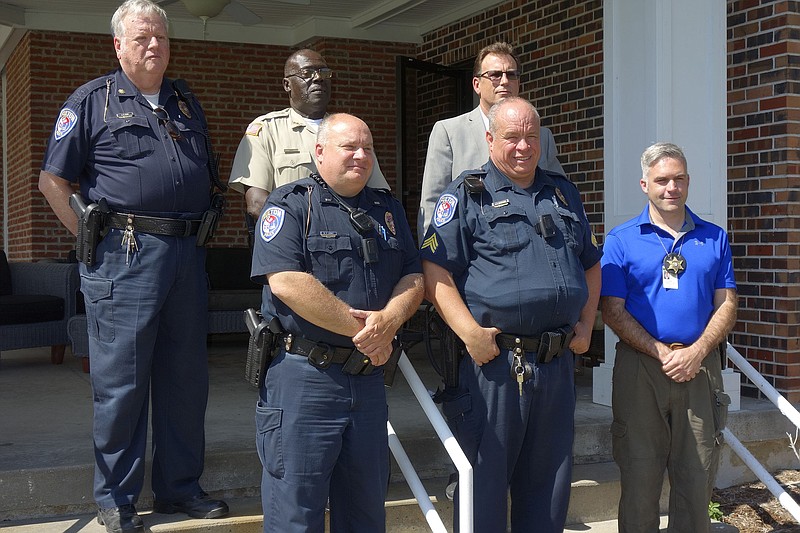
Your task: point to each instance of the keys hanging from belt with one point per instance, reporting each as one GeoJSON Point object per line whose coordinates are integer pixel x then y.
{"type": "Point", "coordinates": [129, 241]}
{"type": "Point", "coordinates": [521, 370]}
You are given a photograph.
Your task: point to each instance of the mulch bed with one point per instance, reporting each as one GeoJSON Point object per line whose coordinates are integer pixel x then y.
{"type": "Point", "coordinates": [752, 508]}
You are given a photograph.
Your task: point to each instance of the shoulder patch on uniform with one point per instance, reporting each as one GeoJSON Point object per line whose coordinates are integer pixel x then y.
{"type": "Point", "coordinates": [445, 210]}
{"type": "Point", "coordinates": [66, 121]}
{"type": "Point", "coordinates": [271, 223]}
{"type": "Point", "coordinates": [253, 129]}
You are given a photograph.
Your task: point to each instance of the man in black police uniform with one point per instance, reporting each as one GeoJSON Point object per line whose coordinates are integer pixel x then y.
{"type": "Point", "coordinates": [136, 143]}
{"type": "Point", "coordinates": [510, 264]}
{"type": "Point", "coordinates": [342, 275]}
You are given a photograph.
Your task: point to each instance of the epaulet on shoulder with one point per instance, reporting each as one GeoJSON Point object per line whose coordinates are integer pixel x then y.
{"type": "Point", "coordinates": [83, 92]}
{"type": "Point", "coordinates": [282, 113]}
{"type": "Point", "coordinates": [295, 187]}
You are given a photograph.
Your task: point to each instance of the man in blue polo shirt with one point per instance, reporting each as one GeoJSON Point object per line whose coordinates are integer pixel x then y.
{"type": "Point", "coordinates": [669, 294]}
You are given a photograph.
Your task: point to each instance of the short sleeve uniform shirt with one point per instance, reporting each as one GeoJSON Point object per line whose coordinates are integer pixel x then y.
{"type": "Point", "coordinates": [518, 256]}
{"type": "Point", "coordinates": [108, 139]}
{"type": "Point", "coordinates": [323, 242]}
{"type": "Point", "coordinates": [278, 148]}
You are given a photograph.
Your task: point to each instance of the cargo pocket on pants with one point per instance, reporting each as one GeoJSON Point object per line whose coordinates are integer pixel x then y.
{"type": "Point", "coordinates": [268, 439]}
{"type": "Point", "coordinates": [619, 445]}
{"type": "Point", "coordinates": [98, 293]}
{"type": "Point", "coordinates": [721, 403]}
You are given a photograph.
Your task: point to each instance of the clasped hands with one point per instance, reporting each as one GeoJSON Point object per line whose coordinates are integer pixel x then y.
{"type": "Point", "coordinates": [681, 364]}
{"type": "Point", "coordinates": [377, 332]}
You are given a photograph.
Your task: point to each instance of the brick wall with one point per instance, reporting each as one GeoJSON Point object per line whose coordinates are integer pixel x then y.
{"type": "Point", "coordinates": [560, 45]}
{"type": "Point", "coordinates": [234, 82]}
{"type": "Point", "coordinates": [561, 54]}
{"type": "Point", "coordinates": [763, 180]}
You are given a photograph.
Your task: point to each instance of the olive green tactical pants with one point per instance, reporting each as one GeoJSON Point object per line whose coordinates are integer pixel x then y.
{"type": "Point", "coordinates": [663, 425]}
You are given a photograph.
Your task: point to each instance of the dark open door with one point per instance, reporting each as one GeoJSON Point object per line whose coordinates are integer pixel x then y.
{"type": "Point", "coordinates": [426, 92]}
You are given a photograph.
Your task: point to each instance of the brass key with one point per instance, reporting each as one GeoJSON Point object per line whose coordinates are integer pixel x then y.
{"type": "Point", "coordinates": [520, 378]}
{"type": "Point", "coordinates": [519, 370]}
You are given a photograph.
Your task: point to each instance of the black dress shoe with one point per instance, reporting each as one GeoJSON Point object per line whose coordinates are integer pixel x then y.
{"type": "Point", "coordinates": [201, 506]}
{"type": "Point", "coordinates": [122, 519]}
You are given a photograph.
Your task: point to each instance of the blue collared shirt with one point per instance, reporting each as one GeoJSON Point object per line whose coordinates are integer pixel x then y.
{"type": "Point", "coordinates": [633, 254]}
{"type": "Point", "coordinates": [108, 139]}
{"type": "Point", "coordinates": [509, 275]}
{"type": "Point", "coordinates": [324, 243]}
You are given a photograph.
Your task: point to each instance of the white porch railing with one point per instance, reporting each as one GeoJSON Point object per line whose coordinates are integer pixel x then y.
{"type": "Point", "coordinates": [786, 409]}
{"type": "Point", "coordinates": [453, 449]}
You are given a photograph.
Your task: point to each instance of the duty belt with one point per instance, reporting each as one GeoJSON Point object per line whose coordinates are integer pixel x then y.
{"type": "Point", "coordinates": [510, 342]}
{"type": "Point", "coordinates": [547, 347]}
{"type": "Point", "coordinates": [175, 227]}
{"type": "Point", "coordinates": [323, 355]}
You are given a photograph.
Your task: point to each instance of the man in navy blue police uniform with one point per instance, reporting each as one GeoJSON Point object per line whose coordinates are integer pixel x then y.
{"type": "Point", "coordinates": [136, 144]}
{"type": "Point", "coordinates": [342, 275]}
{"type": "Point", "coordinates": [510, 263]}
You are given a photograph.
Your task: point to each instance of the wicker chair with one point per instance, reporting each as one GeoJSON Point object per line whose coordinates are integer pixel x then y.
{"type": "Point", "coordinates": [50, 286]}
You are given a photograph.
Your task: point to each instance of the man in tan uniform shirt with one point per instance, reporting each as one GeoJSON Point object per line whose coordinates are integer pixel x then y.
{"type": "Point", "coordinates": [278, 147]}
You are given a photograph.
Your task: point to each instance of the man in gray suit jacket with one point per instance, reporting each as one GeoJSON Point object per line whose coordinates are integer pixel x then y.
{"type": "Point", "coordinates": [459, 143]}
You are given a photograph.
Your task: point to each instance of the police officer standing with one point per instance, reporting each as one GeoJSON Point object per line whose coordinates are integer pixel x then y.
{"type": "Point", "coordinates": [510, 264]}
{"type": "Point", "coordinates": [342, 274]}
{"type": "Point", "coordinates": [136, 143]}
{"type": "Point", "coordinates": [278, 148]}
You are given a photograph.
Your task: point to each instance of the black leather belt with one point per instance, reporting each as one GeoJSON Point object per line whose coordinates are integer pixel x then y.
{"type": "Point", "coordinates": [511, 342]}
{"type": "Point", "coordinates": [319, 354]}
{"type": "Point", "coordinates": [174, 227]}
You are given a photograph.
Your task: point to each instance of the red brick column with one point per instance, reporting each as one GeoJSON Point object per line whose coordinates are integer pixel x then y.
{"type": "Point", "coordinates": [763, 180]}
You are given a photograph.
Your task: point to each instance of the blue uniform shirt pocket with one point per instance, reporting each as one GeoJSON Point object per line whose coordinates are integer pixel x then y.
{"type": "Point", "coordinates": [194, 135]}
{"type": "Point", "coordinates": [100, 307]}
{"type": "Point", "coordinates": [572, 227]}
{"type": "Point", "coordinates": [332, 261]}
{"type": "Point", "coordinates": [508, 227]}
{"type": "Point", "coordinates": [133, 136]}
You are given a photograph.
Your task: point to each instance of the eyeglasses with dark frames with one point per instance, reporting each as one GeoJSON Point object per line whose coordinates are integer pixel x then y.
{"type": "Point", "coordinates": [496, 75]}
{"type": "Point", "coordinates": [164, 118]}
{"type": "Point", "coordinates": [324, 73]}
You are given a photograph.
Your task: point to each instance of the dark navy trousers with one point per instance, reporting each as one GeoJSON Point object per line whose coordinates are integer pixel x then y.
{"type": "Point", "coordinates": [321, 434]}
{"type": "Point", "coordinates": [147, 323]}
{"type": "Point", "coordinates": [517, 443]}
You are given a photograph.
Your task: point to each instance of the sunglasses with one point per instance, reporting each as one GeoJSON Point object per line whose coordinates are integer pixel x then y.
{"type": "Point", "coordinates": [324, 73]}
{"type": "Point", "coordinates": [496, 75]}
{"type": "Point", "coordinates": [172, 128]}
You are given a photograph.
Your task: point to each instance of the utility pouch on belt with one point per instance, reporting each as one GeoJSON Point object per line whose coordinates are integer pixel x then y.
{"type": "Point", "coordinates": [208, 224]}
{"type": "Point", "coordinates": [90, 228]}
{"type": "Point", "coordinates": [552, 343]}
{"type": "Point", "coordinates": [260, 346]}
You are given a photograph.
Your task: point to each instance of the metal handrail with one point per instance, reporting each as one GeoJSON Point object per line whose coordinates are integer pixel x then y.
{"type": "Point", "coordinates": [785, 408]}
{"type": "Point", "coordinates": [460, 461]}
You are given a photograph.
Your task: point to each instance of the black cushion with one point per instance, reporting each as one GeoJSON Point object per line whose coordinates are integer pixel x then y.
{"type": "Point", "coordinates": [5, 275]}
{"type": "Point", "coordinates": [30, 308]}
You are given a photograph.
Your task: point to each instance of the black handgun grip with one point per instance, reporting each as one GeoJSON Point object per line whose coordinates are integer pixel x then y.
{"type": "Point", "coordinates": [90, 227]}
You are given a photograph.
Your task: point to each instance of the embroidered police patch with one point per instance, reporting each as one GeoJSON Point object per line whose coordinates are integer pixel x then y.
{"type": "Point", "coordinates": [271, 223]}
{"type": "Point", "coordinates": [66, 121]}
{"type": "Point", "coordinates": [445, 209]}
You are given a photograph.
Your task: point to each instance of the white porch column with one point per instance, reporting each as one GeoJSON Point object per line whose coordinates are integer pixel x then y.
{"type": "Point", "coordinates": [664, 80]}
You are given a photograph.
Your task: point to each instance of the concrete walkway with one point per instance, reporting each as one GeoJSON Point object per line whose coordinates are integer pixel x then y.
{"type": "Point", "coordinates": [46, 457]}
